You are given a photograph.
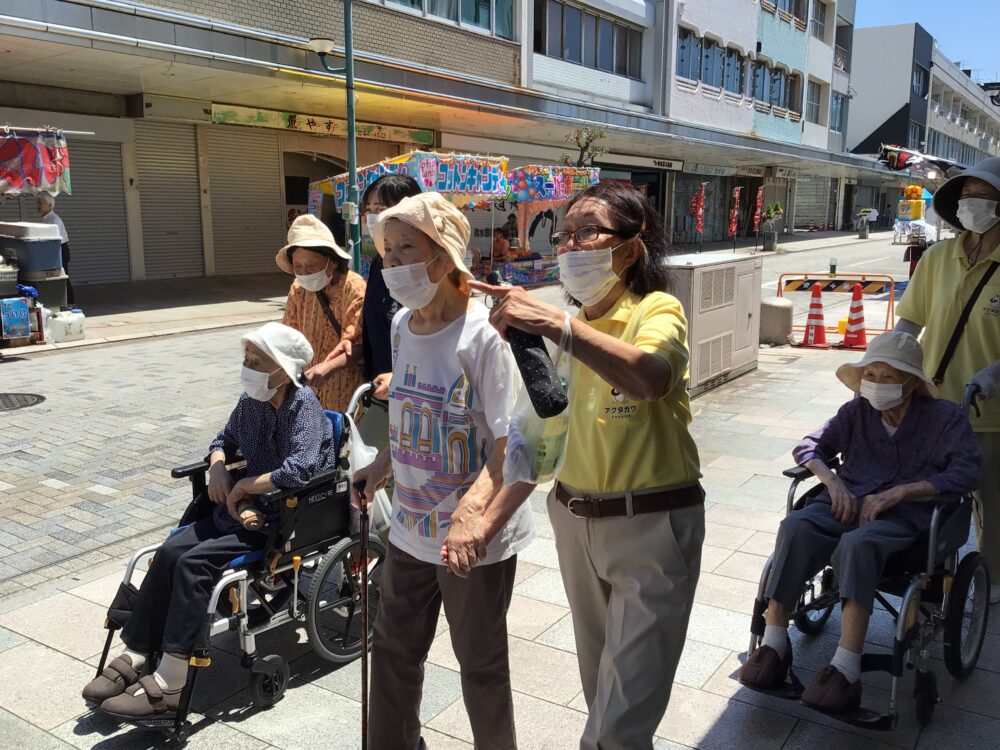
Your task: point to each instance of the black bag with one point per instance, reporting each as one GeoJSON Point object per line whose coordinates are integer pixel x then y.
{"type": "Point", "coordinates": [325, 307]}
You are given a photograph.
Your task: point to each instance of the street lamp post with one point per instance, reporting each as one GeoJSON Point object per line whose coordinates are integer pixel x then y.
{"type": "Point", "coordinates": [323, 48]}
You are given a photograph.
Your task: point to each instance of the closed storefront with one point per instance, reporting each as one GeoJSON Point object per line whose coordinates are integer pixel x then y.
{"type": "Point", "coordinates": [94, 214]}
{"type": "Point", "coordinates": [169, 191]}
{"type": "Point", "coordinates": [248, 216]}
{"type": "Point", "coordinates": [815, 201]}
{"type": "Point", "coordinates": [715, 219]}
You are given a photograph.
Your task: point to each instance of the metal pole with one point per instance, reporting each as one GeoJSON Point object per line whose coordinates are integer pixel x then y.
{"type": "Point", "coordinates": [354, 227]}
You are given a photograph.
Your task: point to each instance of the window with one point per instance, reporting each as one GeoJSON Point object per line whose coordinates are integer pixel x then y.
{"type": "Point", "coordinates": [555, 29]}
{"type": "Point", "coordinates": [793, 93]}
{"type": "Point", "coordinates": [915, 137]}
{"type": "Point", "coordinates": [590, 40]}
{"type": "Point", "coordinates": [711, 63]}
{"type": "Point", "coordinates": [569, 33]}
{"type": "Point", "coordinates": [493, 16]}
{"type": "Point", "coordinates": [919, 84]}
{"type": "Point", "coordinates": [572, 30]}
{"type": "Point", "coordinates": [688, 55]}
{"type": "Point", "coordinates": [813, 94]}
{"type": "Point", "coordinates": [778, 94]}
{"type": "Point", "coordinates": [443, 9]}
{"type": "Point", "coordinates": [734, 71]}
{"type": "Point", "coordinates": [792, 7]}
{"type": "Point", "coordinates": [818, 24]}
{"type": "Point", "coordinates": [761, 82]}
{"type": "Point", "coordinates": [837, 105]}
{"type": "Point", "coordinates": [605, 45]}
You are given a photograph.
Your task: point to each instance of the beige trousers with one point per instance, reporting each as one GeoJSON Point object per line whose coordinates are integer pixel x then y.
{"type": "Point", "coordinates": [630, 584]}
{"type": "Point", "coordinates": [988, 497]}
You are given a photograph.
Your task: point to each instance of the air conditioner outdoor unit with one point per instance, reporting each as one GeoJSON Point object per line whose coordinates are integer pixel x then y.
{"type": "Point", "coordinates": [721, 299]}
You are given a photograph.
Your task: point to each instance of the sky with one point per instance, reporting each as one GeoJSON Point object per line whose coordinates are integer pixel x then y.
{"type": "Point", "coordinates": [966, 30]}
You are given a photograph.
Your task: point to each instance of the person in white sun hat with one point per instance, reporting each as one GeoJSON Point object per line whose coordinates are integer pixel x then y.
{"type": "Point", "coordinates": [954, 297]}
{"type": "Point", "coordinates": [452, 391]}
{"type": "Point", "coordinates": [278, 427]}
{"type": "Point", "coordinates": [900, 446]}
{"type": "Point", "coordinates": [325, 304]}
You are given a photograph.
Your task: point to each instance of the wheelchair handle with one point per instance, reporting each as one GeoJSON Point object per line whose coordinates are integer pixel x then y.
{"type": "Point", "coordinates": [969, 400]}
{"type": "Point", "coordinates": [360, 393]}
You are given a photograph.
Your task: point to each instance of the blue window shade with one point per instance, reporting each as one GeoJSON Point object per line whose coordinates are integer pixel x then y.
{"type": "Point", "coordinates": [689, 56]}
{"type": "Point", "coordinates": [734, 71]}
{"type": "Point", "coordinates": [761, 82]}
{"type": "Point", "coordinates": [778, 79]}
{"type": "Point", "coordinates": [711, 63]}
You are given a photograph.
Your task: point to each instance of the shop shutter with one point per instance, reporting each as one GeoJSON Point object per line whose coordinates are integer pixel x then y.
{"type": "Point", "coordinates": [248, 222]}
{"type": "Point", "coordinates": [812, 200]}
{"type": "Point", "coordinates": [167, 160]}
{"type": "Point", "coordinates": [94, 214]}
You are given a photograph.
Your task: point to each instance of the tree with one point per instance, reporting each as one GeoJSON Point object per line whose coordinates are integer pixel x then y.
{"type": "Point", "coordinates": [585, 141]}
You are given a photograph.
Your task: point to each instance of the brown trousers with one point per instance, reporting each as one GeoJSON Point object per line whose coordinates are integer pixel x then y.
{"type": "Point", "coordinates": [476, 607]}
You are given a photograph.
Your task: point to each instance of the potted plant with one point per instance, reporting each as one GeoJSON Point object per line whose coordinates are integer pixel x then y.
{"type": "Point", "coordinates": [771, 214]}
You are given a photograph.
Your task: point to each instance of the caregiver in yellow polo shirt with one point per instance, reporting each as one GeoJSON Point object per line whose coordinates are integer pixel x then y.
{"type": "Point", "coordinates": [627, 509]}
{"type": "Point", "coordinates": [946, 278]}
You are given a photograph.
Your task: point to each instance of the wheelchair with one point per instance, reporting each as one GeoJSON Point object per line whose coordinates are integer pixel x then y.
{"type": "Point", "coordinates": [940, 595]}
{"type": "Point", "coordinates": [307, 572]}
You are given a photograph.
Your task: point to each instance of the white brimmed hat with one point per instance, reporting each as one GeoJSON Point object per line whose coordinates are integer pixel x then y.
{"type": "Point", "coordinates": [896, 349]}
{"type": "Point", "coordinates": [289, 349]}
{"type": "Point", "coordinates": [309, 232]}
{"type": "Point", "coordinates": [436, 217]}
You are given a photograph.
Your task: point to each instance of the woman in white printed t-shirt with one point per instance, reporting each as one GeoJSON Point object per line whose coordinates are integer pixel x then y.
{"type": "Point", "coordinates": [453, 387]}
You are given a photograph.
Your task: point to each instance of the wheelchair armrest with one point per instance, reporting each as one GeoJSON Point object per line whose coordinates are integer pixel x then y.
{"type": "Point", "coordinates": [947, 500]}
{"type": "Point", "coordinates": [801, 473]}
{"type": "Point", "coordinates": [182, 472]}
{"type": "Point", "coordinates": [318, 482]}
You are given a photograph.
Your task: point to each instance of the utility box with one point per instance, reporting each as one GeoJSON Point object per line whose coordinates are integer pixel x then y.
{"type": "Point", "coordinates": [721, 299]}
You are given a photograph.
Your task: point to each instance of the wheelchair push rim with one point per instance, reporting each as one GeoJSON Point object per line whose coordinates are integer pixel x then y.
{"type": "Point", "coordinates": [967, 616]}
{"type": "Point", "coordinates": [333, 616]}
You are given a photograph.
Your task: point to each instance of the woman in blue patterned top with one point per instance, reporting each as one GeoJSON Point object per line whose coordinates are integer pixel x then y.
{"type": "Point", "coordinates": [280, 429]}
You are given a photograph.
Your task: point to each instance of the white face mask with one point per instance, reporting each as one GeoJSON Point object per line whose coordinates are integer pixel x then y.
{"type": "Point", "coordinates": [370, 221]}
{"type": "Point", "coordinates": [587, 275]}
{"type": "Point", "coordinates": [410, 285]}
{"type": "Point", "coordinates": [882, 396]}
{"type": "Point", "coordinates": [255, 384]}
{"type": "Point", "coordinates": [315, 282]}
{"type": "Point", "coordinates": [977, 214]}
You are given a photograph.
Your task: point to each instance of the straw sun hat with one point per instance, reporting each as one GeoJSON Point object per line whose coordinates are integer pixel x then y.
{"type": "Point", "coordinates": [309, 232]}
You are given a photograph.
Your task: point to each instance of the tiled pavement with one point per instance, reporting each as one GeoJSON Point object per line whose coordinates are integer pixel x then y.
{"type": "Point", "coordinates": [85, 482]}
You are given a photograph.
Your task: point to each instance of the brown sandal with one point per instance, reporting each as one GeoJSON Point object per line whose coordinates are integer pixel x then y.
{"type": "Point", "coordinates": [152, 702]}
{"type": "Point", "coordinates": [116, 677]}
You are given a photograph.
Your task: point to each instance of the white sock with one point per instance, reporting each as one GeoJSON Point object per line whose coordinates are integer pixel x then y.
{"type": "Point", "coordinates": [776, 637]}
{"type": "Point", "coordinates": [847, 663]}
{"type": "Point", "coordinates": [170, 674]}
{"type": "Point", "coordinates": [138, 660]}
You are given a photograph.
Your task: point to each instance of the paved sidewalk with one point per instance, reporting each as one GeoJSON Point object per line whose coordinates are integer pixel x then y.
{"type": "Point", "coordinates": [85, 482]}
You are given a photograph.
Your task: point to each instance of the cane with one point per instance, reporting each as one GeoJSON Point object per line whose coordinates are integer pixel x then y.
{"type": "Point", "coordinates": [363, 503]}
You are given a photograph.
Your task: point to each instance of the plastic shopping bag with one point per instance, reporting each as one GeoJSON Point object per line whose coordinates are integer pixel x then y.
{"type": "Point", "coordinates": [536, 447]}
{"type": "Point", "coordinates": [379, 507]}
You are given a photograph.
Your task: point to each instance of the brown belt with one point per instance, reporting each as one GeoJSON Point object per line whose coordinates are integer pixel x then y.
{"type": "Point", "coordinates": [619, 505]}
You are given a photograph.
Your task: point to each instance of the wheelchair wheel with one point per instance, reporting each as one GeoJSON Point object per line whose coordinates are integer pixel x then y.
{"type": "Point", "coordinates": [333, 617]}
{"type": "Point", "coordinates": [813, 621]}
{"type": "Point", "coordinates": [966, 616]}
{"type": "Point", "coordinates": [268, 680]}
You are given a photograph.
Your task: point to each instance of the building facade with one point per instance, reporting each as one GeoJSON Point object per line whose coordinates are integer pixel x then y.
{"type": "Point", "coordinates": [209, 120]}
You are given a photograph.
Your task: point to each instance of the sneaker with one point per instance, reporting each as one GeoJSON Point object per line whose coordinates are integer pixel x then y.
{"type": "Point", "coordinates": [765, 670]}
{"type": "Point", "coordinates": [831, 693]}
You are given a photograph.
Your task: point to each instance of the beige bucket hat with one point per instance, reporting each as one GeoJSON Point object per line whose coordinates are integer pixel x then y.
{"type": "Point", "coordinates": [896, 349]}
{"type": "Point", "coordinates": [309, 232]}
{"type": "Point", "coordinates": [433, 215]}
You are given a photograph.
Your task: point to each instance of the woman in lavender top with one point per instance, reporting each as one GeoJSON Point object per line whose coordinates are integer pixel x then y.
{"type": "Point", "coordinates": [899, 446]}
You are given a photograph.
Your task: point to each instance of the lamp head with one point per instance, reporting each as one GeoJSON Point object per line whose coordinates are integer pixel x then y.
{"type": "Point", "coordinates": [321, 46]}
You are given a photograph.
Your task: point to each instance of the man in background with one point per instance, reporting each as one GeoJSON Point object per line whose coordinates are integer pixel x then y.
{"type": "Point", "coordinates": [46, 205]}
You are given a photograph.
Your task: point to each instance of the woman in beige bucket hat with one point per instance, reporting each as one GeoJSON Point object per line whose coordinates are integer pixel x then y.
{"type": "Point", "coordinates": [325, 304]}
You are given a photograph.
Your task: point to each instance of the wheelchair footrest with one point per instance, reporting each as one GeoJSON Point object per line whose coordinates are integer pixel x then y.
{"type": "Point", "coordinates": [863, 718]}
{"type": "Point", "coordinates": [881, 663]}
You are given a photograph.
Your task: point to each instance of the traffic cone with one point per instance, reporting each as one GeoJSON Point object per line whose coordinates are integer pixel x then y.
{"type": "Point", "coordinates": [855, 338]}
{"type": "Point", "coordinates": [815, 325]}
{"type": "Point", "coordinates": [812, 225]}
{"type": "Point", "coordinates": [829, 225]}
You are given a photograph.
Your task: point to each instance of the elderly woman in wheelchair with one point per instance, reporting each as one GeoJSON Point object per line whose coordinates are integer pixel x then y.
{"type": "Point", "coordinates": [280, 430]}
{"type": "Point", "coordinates": [901, 449]}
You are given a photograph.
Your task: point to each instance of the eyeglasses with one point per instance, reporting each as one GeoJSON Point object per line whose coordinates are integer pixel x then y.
{"type": "Point", "coordinates": [583, 235]}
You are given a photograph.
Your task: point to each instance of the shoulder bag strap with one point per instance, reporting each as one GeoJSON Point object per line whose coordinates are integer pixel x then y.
{"type": "Point", "coordinates": [949, 351]}
{"type": "Point", "coordinates": [324, 305]}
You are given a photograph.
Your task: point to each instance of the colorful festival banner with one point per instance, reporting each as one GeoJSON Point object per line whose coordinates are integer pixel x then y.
{"type": "Point", "coordinates": [225, 114]}
{"type": "Point", "coordinates": [758, 210]}
{"type": "Point", "coordinates": [698, 208]}
{"type": "Point", "coordinates": [545, 184]}
{"type": "Point", "coordinates": [33, 164]}
{"type": "Point", "coordinates": [734, 211]}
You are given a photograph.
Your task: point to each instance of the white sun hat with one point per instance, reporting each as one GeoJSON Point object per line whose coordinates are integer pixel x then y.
{"type": "Point", "coordinates": [894, 348]}
{"type": "Point", "coordinates": [289, 349]}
